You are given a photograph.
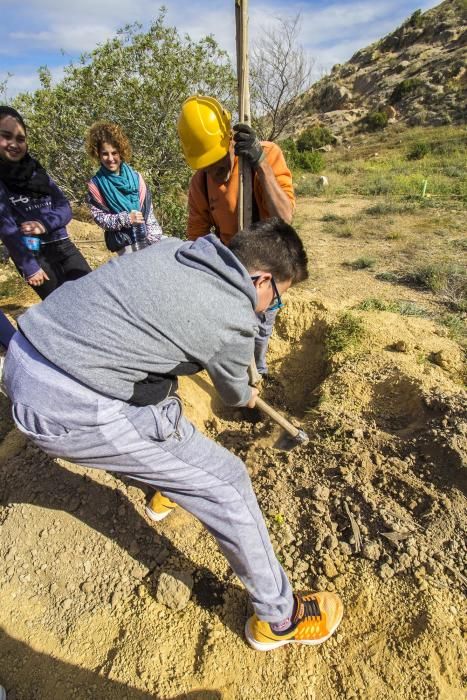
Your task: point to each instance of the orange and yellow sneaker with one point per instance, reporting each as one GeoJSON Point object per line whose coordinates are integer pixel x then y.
{"type": "Point", "coordinates": [159, 507]}
{"type": "Point", "coordinates": [316, 618]}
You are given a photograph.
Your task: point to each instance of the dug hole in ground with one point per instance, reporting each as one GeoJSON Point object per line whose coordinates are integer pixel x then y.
{"type": "Point", "coordinates": [373, 508]}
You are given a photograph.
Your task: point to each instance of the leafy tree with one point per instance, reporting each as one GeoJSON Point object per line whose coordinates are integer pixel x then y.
{"type": "Point", "coordinates": [139, 80]}
{"type": "Point", "coordinates": [4, 89]}
{"type": "Point", "coordinates": [280, 73]}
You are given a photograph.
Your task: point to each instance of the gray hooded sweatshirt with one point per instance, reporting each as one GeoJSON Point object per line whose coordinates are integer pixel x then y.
{"type": "Point", "coordinates": [129, 328]}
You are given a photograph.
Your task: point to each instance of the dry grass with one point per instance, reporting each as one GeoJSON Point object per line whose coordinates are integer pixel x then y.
{"type": "Point", "coordinates": [417, 242]}
{"type": "Point", "coordinates": [381, 165]}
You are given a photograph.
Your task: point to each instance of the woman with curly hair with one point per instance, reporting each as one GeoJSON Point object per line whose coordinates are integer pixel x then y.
{"type": "Point", "coordinates": [119, 199]}
{"type": "Point", "coordinates": [34, 214]}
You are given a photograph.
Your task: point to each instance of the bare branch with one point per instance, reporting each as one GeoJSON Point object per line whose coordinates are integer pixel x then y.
{"type": "Point", "coordinates": [280, 72]}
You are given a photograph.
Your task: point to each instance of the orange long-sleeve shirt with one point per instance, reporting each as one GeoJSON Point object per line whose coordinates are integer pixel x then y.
{"type": "Point", "coordinates": [219, 208]}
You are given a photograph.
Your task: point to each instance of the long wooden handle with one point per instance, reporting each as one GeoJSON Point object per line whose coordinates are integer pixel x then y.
{"type": "Point", "coordinates": [277, 417]}
{"type": "Point", "coordinates": [245, 203]}
{"type": "Point", "coordinates": [255, 377]}
{"type": "Point", "coordinates": [245, 191]}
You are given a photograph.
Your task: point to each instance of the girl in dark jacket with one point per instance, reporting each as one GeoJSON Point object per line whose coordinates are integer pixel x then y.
{"type": "Point", "coordinates": [119, 199]}
{"type": "Point", "coordinates": [34, 214]}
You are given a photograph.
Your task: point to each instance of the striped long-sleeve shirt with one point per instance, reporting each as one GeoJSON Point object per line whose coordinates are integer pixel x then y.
{"type": "Point", "coordinates": [117, 226]}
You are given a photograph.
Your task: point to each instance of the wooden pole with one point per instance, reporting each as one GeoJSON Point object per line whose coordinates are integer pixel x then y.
{"type": "Point", "coordinates": [245, 188]}
{"type": "Point", "coordinates": [245, 191]}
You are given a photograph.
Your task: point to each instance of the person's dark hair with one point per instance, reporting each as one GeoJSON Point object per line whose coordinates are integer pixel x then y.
{"type": "Point", "coordinates": [6, 111]}
{"type": "Point", "coordinates": [272, 246]}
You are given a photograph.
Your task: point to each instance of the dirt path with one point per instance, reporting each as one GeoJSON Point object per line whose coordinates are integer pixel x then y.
{"type": "Point", "coordinates": [79, 563]}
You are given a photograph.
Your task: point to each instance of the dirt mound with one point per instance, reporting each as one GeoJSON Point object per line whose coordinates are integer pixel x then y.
{"type": "Point", "coordinates": [397, 359]}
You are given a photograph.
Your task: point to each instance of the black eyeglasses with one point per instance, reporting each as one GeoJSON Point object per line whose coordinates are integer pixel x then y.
{"type": "Point", "coordinates": [277, 302]}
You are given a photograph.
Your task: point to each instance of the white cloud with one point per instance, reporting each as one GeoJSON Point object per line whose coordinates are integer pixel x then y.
{"type": "Point", "coordinates": [71, 39]}
{"type": "Point", "coordinates": [331, 32]}
{"type": "Point", "coordinates": [30, 36]}
{"type": "Point", "coordinates": [27, 82]}
{"type": "Point", "coordinates": [74, 25]}
{"type": "Point", "coordinates": [22, 83]}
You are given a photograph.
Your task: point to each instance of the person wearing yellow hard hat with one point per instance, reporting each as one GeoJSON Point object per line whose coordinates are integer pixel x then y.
{"type": "Point", "coordinates": [211, 147]}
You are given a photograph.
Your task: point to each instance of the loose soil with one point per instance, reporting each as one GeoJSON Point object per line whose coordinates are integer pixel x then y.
{"type": "Point", "coordinates": [373, 508]}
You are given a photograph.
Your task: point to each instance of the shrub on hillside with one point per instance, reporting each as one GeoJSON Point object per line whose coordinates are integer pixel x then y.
{"type": "Point", "coordinates": [448, 280]}
{"type": "Point", "coordinates": [314, 137]}
{"type": "Point", "coordinates": [312, 161]}
{"type": "Point", "coordinates": [416, 19]}
{"type": "Point", "coordinates": [405, 87]}
{"type": "Point", "coordinates": [290, 151]}
{"type": "Point", "coordinates": [376, 120]}
{"type": "Point", "coordinates": [418, 151]}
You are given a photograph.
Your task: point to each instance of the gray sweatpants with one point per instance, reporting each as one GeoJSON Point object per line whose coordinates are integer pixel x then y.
{"type": "Point", "coordinates": [155, 445]}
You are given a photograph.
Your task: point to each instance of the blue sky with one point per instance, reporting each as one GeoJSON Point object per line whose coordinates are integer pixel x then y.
{"type": "Point", "coordinates": [34, 33]}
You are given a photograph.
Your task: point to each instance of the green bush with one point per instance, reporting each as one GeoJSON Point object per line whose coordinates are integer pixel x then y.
{"type": "Point", "coordinates": [418, 151]}
{"type": "Point", "coordinates": [416, 19]}
{"type": "Point", "coordinates": [344, 168]}
{"type": "Point", "coordinates": [380, 209]}
{"type": "Point", "coordinates": [312, 161]}
{"type": "Point", "coordinates": [388, 277]}
{"type": "Point", "coordinates": [456, 327]}
{"type": "Point", "coordinates": [386, 208]}
{"type": "Point", "coordinates": [361, 263]}
{"type": "Point", "coordinates": [405, 308]}
{"type": "Point", "coordinates": [446, 279]}
{"type": "Point", "coordinates": [376, 120]}
{"type": "Point", "coordinates": [447, 148]}
{"type": "Point", "coordinates": [373, 304]}
{"type": "Point", "coordinates": [290, 151]}
{"type": "Point", "coordinates": [454, 171]}
{"type": "Point", "coordinates": [344, 231]}
{"type": "Point", "coordinates": [306, 186]}
{"type": "Point", "coordinates": [314, 137]}
{"type": "Point", "coordinates": [407, 86]}
{"type": "Point", "coordinates": [305, 159]}
{"type": "Point", "coordinates": [409, 308]}
{"type": "Point", "coordinates": [376, 185]}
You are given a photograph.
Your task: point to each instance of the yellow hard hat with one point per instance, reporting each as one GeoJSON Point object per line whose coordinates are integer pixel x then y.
{"type": "Point", "coordinates": [204, 131]}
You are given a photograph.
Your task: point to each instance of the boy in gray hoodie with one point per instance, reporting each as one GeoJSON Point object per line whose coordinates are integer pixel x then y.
{"type": "Point", "coordinates": [92, 375]}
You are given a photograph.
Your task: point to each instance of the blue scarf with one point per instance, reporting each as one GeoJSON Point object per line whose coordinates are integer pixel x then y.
{"type": "Point", "coordinates": [121, 192]}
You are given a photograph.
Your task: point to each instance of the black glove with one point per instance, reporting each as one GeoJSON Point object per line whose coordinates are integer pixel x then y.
{"type": "Point", "coordinates": [247, 144]}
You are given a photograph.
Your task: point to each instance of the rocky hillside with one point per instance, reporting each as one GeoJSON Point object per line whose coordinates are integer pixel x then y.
{"type": "Point", "coordinates": [417, 74]}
